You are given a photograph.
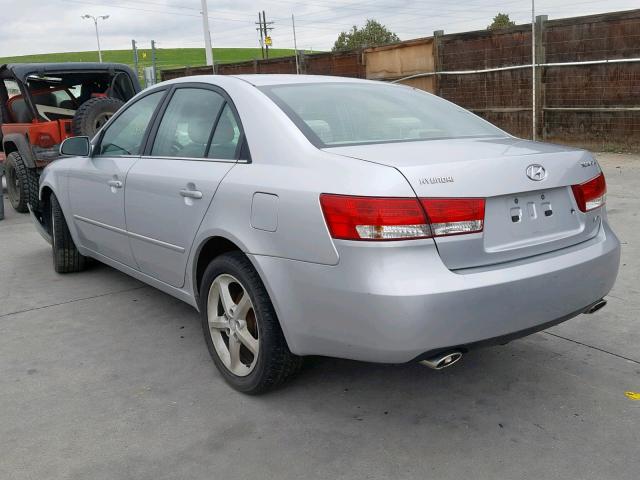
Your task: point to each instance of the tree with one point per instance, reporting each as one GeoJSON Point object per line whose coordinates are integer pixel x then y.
{"type": "Point", "coordinates": [373, 33]}
{"type": "Point", "coordinates": [501, 20]}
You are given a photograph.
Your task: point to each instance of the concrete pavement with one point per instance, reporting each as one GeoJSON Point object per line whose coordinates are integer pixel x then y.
{"type": "Point", "coordinates": [102, 377]}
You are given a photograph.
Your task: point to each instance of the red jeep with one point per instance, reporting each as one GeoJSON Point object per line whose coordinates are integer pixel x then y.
{"type": "Point", "coordinates": [41, 104]}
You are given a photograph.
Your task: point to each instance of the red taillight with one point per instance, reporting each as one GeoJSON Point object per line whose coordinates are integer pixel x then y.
{"type": "Point", "coordinates": [45, 140]}
{"type": "Point", "coordinates": [383, 218]}
{"type": "Point", "coordinates": [591, 194]}
{"type": "Point", "coordinates": [453, 216]}
{"type": "Point", "coordinates": [374, 218]}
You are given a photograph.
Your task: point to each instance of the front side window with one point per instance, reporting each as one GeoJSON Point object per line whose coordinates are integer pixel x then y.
{"type": "Point", "coordinates": [125, 135]}
{"type": "Point", "coordinates": [187, 124]}
{"type": "Point", "coordinates": [334, 114]}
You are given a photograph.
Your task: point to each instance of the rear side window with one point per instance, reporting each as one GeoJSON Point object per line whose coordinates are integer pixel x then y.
{"type": "Point", "coordinates": [224, 143]}
{"type": "Point", "coordinates": [186, 127]}
{"type": "Point", "coordinates": [125, 135]}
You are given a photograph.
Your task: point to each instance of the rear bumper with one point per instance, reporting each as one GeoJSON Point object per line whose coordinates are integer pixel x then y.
{"type": "Point", "coordinates": [394, 302]}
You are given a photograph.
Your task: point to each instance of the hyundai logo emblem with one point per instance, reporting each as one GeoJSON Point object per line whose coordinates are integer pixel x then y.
{"type": "Point", "coordinates": [536, 172]}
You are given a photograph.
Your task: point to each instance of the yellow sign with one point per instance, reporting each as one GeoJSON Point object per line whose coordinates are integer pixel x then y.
{"type": "Point", "coordinates": [268, 41]}
{"type": "Point", "coordinates": [144, 54]}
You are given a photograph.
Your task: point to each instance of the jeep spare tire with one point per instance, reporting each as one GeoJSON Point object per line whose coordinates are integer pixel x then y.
{"type": "Point", "coordinates": [93, 114]}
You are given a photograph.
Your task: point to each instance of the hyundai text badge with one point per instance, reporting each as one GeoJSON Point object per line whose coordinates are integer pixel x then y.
{"type": "Point", "coordinates": [536, 172]}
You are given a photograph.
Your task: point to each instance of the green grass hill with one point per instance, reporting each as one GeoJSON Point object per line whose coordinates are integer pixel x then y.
{"type": "Point", "coordinates": [166, 57]}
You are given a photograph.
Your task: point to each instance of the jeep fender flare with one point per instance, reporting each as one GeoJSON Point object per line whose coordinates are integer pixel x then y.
{"type": "Point", "coordinates": [23, 147]}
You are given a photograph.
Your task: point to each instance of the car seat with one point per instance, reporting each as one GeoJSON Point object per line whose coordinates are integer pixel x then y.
{"type": "Point", "coordinates": [198, 130]}
{"type": "Point", "coordinates": [67, 104]}
{"type": "Point", "coordinates": [22, 113]}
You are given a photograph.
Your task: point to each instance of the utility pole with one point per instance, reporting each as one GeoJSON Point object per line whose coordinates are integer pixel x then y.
{"type": "Point", "coordinates": [135, 56]}
{"type": "Point", "coordinates": [295, 44]}
{"type": "Point", "coordinates": [266, 34]}
{"type": "Point", "coordinates": [153, 61]}
{"type": "Point", "coordinates": [259, 29]}
{"type": "Point", "coordinates": [263, 29]}
{"type": "Point", "coordinates": [207, 35]}
{"type": "Point", "coordinates": [534, 113]}
{"type": "Point", "coordinates": [267, 39]}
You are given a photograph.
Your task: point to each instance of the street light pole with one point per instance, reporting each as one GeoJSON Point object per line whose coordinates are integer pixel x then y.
{"type": "Point", "coordinates": [95, 23]}
{"type": "Point", "coordinates": [208, 51]}
{"type": "Point", "coordinates": [295, 44]}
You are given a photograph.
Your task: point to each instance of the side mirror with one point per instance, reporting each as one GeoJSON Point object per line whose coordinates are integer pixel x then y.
{"type": "Point", "coordinates": [76, 146]}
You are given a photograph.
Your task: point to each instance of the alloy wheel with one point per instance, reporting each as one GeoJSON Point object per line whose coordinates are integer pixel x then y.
{"type": "Point", "coordinates": [233, 325]}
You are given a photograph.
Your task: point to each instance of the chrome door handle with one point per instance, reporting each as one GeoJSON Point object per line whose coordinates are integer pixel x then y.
{"type": "Point", "coordinates": [191, 193]}
{"type": "Point", "coordinates": [115, 183]}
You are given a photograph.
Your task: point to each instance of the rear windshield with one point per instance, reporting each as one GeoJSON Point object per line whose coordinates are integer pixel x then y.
{"type": "Point", "coordinates": [333, 114]}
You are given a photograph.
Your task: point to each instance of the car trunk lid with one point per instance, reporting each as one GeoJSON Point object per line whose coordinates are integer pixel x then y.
{"type": "Point", "coordinates": [523, 216]}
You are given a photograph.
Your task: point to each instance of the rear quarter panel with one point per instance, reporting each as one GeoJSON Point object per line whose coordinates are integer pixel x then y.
{"type": "Point", "coordinates": [285, 164]}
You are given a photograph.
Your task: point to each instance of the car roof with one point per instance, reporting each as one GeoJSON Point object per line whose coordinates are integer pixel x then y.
{"type": "Point", "coordinates": [260, 80]}
{"type": "Point", "coordinates": [23, 70]}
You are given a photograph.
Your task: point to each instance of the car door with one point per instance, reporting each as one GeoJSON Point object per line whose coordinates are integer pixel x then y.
{"type": "Point", "coordinates": [194, 144]}
{"type": "Point", "coordinates": [96, 183]}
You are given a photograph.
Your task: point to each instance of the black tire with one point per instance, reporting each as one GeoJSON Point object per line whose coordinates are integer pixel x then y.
{"type": "Point", "coordinates": [93, 114]}
{"type": "Point", "coordinates": [22, 183]}
{"type": "Point", "coordinates": [275, 363]}
{"type": "Point", "coordinates": [66, 258]}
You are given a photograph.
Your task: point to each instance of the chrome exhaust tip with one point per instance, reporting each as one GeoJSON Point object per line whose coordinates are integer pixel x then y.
{"type": "Point", "coordinates": [596, 306]}
{"type": "Point", "coordinates": [441, 361]}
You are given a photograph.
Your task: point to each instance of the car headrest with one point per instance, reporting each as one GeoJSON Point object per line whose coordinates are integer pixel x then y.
{"type": "Point", "coordinates": [199, 129]}
{"type": "Point", "coordinates": [48, 99]}
{"type": "Point", "coordinates": [225, 131]}
{"type": "Point", "coordinates": [21, 112]}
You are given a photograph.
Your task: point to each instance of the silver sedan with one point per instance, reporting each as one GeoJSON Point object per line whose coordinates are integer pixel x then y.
{"type": "Point", "coordinates": [308, 215]}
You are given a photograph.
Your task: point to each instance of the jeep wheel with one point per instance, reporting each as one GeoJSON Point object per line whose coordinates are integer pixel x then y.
{"type": "Point", "coordinates": [22, 183]}
{"type": "Point", "coordinates": [93, 114]}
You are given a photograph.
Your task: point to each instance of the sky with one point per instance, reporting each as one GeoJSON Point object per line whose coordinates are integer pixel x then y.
{"type": "Point", "coordinates": [46, 26]}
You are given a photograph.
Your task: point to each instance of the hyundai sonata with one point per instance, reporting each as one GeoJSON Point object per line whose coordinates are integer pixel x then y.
{"type": "Point", "coordinates": [308, 215]}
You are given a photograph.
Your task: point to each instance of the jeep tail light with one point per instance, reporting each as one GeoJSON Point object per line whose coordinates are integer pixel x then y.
{"type": "Point", "coordinates": [591, 194]}
{"type": "Point", "coordinates": [374, 218]}
{"type": "Point", "coordinates": [389, 218]}
{"type": "Point", "coordinates": [45, 140]}
{"type": "Point", "coordinates": [454, 216]}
